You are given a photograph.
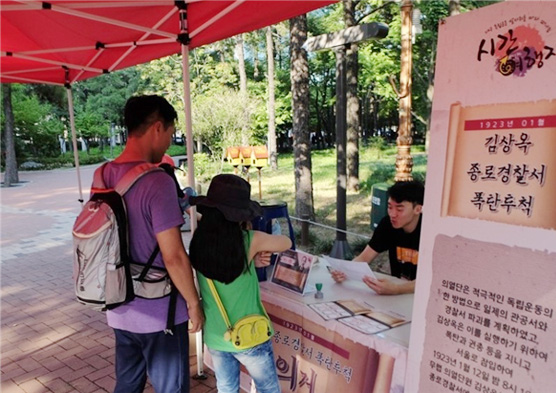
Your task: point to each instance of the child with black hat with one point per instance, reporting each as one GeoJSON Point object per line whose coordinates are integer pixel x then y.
{"type": "Point", "coordinates": [223, 251]}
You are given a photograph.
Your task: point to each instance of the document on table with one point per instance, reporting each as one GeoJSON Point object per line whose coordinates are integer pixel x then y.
{"type": "Point", "coordinates": [292, 269]}
{"type": "Point", "coordinates": [353, 270]}
{"type": "Point", "coordinates": [373, 320]}
{"type": "Point", "coordinates": [364, 324]}
{"type": "Point", "coordinates": [387, 317]}
{"type": "Point", "coordinates": [330, 310]}
{"type": "Point", "coordinates": [339, 309]}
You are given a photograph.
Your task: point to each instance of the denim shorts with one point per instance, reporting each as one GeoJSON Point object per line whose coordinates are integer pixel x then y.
{"type": "Point", "coordinates": [259, 362]}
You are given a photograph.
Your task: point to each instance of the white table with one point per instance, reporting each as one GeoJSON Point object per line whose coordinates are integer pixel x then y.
{"type": "Point", "coordinates": [387, 363]}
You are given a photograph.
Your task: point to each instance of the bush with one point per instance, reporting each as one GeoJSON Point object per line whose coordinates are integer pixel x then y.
{"type": "Point", "coordinates": [378, 144]}
{"type": "Point", "coordinates": [92, 159]}
{"type": "Point", "coordinates": [55, 162]}
{"type": "Point", "coordinates": [67, 160]}
{"type": "Point", "coordinates": [176, 150]}
{"type": "Point", "coordinates": [382, 173]}
{"type": "Point", "coordinates": [318, 244]}
{"type": "Point", "coordinates": [321, 242]}
{"type": "Point", "coordinates": [358, 245]}
{"type": "Point", "coordinates": [205, 167]}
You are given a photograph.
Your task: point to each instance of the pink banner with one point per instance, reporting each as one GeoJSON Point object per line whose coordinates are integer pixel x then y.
{"type": "Point", "coordinates": [510, 123]}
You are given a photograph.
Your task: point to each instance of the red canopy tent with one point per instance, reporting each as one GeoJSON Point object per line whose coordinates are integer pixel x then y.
{"type": "Point", "coordinates": [93, 37]}
{"type": "Point", "coordinates": [62, 42]}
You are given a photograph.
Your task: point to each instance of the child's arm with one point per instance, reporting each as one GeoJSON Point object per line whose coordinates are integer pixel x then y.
{"type": "Point", "coordinates": [262, 241]}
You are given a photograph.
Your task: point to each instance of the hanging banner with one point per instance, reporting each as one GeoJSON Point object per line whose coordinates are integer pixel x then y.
{"type": "Point", "coordinates": [483, 318]}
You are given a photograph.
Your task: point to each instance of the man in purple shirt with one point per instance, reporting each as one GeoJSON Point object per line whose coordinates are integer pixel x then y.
{"type": "Point", "coordinates": [154, 216]}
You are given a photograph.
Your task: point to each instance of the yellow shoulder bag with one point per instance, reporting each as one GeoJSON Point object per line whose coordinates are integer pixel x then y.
{"type": "Point", "coordinates": [248, 331]}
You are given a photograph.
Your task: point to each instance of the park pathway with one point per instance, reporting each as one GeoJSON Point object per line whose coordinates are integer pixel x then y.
{"type": "Point", "coordinates": [49, 342]}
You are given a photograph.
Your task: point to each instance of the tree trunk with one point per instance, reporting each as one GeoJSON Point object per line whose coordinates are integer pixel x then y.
{"type": "Point", "coordinates": [272, 154]}
{"type": "Point", "coordinates": [430, 95]}
{"type": "Point", "coordinates": [300, 105]}
{"type": "Point", "coordinates": [242, 87]}
{"type": "Point", "coordinates": [454, 7]}
{"type": "Point", "coordinates": [10, 176]}
{"type": "Point", "coordinates": [404, 160]}
{"type": "Point", "coordinates": [255, 49]}
{"type": "Point", "coordinates": [353, 121]}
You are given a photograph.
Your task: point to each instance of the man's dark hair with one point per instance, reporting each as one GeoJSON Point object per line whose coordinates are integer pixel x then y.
{"type": "Point", "coordinates": [410, 191]}
{"type": "Point", "coordinates": [141, 111]}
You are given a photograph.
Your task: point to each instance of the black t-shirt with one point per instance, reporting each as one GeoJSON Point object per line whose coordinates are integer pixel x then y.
{"type": "Point", "coordinates": [403, 248]}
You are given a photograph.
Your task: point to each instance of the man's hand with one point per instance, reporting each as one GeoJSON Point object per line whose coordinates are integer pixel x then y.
{"type": "Point", "coordinates": [262, 259]}
{"type": "Point", "coordinates": [384, 286]}
{"type": "Point", "coordinates": [381, 286]}
{"type": "Point", "coordinates": [338, 276]}
{"type": "Point", "coordinates": [196, 318]}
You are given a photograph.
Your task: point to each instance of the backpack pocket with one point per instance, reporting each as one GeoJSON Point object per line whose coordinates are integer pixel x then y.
{"type": "Point", "coordinates": [99, 272]}
{"type": "Point", "coordinates": [155, 285]}
{"type": "Point", "coordinates": [116, 286]}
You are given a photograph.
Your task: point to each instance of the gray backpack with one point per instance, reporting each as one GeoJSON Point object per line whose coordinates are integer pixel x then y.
{"type": "Point", "coordinates": [105, 277]}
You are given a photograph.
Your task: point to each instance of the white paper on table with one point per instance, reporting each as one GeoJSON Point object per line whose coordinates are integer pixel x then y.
{"type": "Point", "coordinates": [387, 317]}
{"type": "Point", "coordinates": [330, 310]}
{"type": "Point", "coordinates": [353, 270]}
{"type": "Point", "coordinates": [364, 324]}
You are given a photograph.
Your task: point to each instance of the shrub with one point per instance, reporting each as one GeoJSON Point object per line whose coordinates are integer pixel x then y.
{"type": "Point", "coordinates": [358, 245]}
{"type": "Point", "coordinates": [67, 160]}
{"type": "Point", "coordinates": [379, 144]}
{"type": "Point", "coordinates": [381, 173]}
{"type": "Point", "coordinates": [205, 167]}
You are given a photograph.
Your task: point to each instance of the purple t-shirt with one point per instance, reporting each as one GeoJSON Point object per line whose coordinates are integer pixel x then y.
{"type": "Point", "coordinates": [152, 207]}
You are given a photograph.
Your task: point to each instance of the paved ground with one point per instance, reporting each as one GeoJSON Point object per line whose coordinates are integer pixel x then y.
{"type": "Point", "coordinates": [50, 343]}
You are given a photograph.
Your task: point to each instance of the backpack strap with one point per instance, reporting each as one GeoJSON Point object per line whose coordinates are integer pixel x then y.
{"type": "Point", "coordinates": [125, 183]}
{"type": "Point", "coordinates": [149, 264]}
{"type": "Point", "coordinates": [171, 319]}
{"type": "Point", "coordinates": [133, 175]}
{"type": "Point", "coordinates": [170, 171]}
{"type": "Point", "coordinates": [98, 179]}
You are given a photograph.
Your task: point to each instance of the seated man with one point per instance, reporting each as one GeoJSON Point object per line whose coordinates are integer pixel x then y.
{"type": "Point", "coordinates": [399, 233]}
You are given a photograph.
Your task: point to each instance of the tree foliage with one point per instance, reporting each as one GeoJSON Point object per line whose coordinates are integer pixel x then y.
{"type": "Point", "coordinates": [36, 125]}
{"type": "Point", "coordinates": [218, 120]}
{"type": "Point", "coordinates": [40, 112]}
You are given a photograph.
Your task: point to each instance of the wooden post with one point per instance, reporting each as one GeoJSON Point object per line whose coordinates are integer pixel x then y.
{"type": "Point", "coordinates": [404, 161]}
{"type": "Point", "coordinates": [338, 41]}
{"type": "Point", "coordinates": [340, 245]}
{"type": "Point", "coordinates": [260, 185]}
{"type": "Point", "coordinates": [305, 230]}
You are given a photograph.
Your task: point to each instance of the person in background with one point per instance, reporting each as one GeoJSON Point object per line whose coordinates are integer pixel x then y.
{"type": "Point", "coordinates": [142, 345]}
{"type": "Point", "coordinates": [399, 234]}
{"type": "Point", "coordinates": [223, 250]}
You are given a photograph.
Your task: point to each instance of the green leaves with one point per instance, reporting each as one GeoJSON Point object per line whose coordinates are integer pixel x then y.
{"type": "Point", "coordinates": [219, 113]}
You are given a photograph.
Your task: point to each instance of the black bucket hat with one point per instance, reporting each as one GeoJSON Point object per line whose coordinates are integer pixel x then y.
{"type": "Point", "coordinates": [231, 195]}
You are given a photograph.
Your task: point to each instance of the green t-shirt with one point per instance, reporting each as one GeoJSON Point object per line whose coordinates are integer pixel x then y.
{"type": "Point", "coordinates": [240, 298]}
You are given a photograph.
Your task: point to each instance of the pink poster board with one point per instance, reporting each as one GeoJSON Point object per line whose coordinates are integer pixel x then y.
{"type": "Point", "coordinates": [483, 318]}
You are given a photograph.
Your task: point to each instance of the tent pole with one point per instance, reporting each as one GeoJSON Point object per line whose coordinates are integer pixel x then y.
{"type": "Point", "coordinates": [188, 125]}
{"type": "Point", "coordinates": [74, 141]}
{"type": "Point", "coordinates": [191, 179]}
